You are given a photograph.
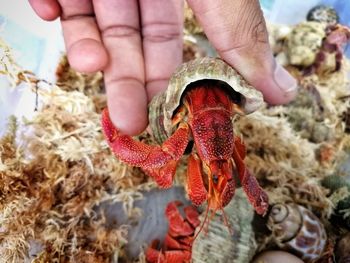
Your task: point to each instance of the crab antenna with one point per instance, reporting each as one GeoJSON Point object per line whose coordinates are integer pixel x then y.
{"type": "Point", "coordinates": [213, 213]}
{"type": "Point", "coordinates": [202, 225]}
{"type": "Point", "coordinates": [230, 230]}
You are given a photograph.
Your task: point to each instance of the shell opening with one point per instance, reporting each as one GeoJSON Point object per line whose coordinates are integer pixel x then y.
{"type": "Point", "coordinates": [236, 97]}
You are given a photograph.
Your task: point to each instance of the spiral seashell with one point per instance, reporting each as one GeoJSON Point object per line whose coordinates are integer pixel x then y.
{"type": "Point", "coordinates": [163, 106]}
{"type": "Point", "coordinates": [298, 230]}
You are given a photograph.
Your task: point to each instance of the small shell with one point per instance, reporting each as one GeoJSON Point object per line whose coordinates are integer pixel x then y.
{"type": "Point", "coordinates": [298, 230]}
{"type": "Point", "coordinates": [162, 106]}
{"type": "Point", "coordinates": [218, 244]}
{"type": "Point", "coordinates": [322, 13]}
{"type": "Point", "coordinates": [304, 42]}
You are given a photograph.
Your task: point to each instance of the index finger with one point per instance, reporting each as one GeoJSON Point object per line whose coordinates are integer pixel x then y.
{"type": "Point", "coordinates": [124, 75]}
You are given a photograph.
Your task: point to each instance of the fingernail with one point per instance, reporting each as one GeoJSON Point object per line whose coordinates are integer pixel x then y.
{"type": "Point", "coordinates": [284, 80]}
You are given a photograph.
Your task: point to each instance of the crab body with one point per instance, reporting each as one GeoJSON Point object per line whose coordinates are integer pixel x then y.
{"type": "Point", "coordinates": [203, 97]}
{"type": "Point", "coordinates": [317, 46]}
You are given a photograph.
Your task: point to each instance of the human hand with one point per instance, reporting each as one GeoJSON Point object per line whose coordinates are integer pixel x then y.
{"type": "Point", "coordinates": [138, 45]}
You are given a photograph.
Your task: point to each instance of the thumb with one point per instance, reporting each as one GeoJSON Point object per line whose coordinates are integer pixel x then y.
{"type": "Point", "coordinates": [238, 31]}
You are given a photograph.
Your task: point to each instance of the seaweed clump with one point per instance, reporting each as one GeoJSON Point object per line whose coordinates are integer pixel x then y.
{"type": "Point", "coordinates": [55, 170]}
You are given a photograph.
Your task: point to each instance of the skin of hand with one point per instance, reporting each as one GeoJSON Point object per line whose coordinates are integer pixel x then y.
{"type": "Point", "coordinates": [138, 45]}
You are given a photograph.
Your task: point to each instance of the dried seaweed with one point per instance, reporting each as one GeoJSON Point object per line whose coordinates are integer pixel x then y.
{"type": "Point", "coordinates": [55, 169]}
{"type": "Point", "coordinates": [292, 148]}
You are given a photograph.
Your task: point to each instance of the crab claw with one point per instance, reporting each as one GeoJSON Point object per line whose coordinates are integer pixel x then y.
{"type": "Point", "coordinates": [177, 224]}
{"type": "Point", "coordinates": [178, 241]}
{"type": "Point", "coordinates": [153, 254]}
{"type": "Point", "coordinates": [157, 161]}
{"type": "Point", "coordinates": [219, 189]}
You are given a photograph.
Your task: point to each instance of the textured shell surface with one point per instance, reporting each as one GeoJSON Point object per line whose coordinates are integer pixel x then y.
{"type": "Point", "coordinates": [218, 244]}
{"type": "Point", "coordinates": [162, 106]}
{"type": "Point", "coordinates": [322, 13]}
{"type": "Point", "coordinates": [297, 229]}
{"type": "Point", "coordinates": [304, 42]}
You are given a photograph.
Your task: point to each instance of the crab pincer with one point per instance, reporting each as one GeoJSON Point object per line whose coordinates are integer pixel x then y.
{"type": "Point", "coordinates": [178, 241]}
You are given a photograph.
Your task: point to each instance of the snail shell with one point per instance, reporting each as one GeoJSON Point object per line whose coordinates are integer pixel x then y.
{"type": "Point", "coordinates": [218, 244]}
{"type": "Point", "coordinates": [162, 106]}
{"type": "Point", "coordinates": [297, 230]}
{"type": "Point", "coordinates": [322, 13]}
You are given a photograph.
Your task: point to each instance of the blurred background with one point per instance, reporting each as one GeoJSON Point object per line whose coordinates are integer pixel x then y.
{"type": "Point", "coordinates": [38, 45]}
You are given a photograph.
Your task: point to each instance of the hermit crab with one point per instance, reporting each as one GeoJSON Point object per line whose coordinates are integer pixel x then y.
{"type": "Point", "coordinates": [317, 47]}
{"type": "Point", "coordinates": [196, 114]}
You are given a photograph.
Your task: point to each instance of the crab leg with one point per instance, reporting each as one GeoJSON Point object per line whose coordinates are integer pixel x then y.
{"type": "Point", "coordinates": [256, 195]}
{"type": "Point", "coordinates": [196, 189]}
{"type": "Point", "coordinates": [158, 161]}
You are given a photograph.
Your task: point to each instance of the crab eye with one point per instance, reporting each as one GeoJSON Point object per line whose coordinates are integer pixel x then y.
{"type": "Point", "coordinates": [215, 179]}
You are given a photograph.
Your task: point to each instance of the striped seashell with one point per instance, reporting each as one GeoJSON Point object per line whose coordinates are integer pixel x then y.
{"type": "Point", "coordinates": [298, 230]}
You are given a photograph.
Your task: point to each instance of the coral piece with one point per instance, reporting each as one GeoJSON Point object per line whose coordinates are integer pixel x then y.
{"type": "Point", "coordinates": [178, 241]}
{"type": "Point", "coordinates": [297, 229]}
{"type": "Point", "coordinates": [303, 43]}
{"type": "Point", "coordinates": [202, 98]}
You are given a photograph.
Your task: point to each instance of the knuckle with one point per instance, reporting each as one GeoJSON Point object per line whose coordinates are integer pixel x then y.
{"type": "Point", "coordinates": [120, 31]}
{"type": "Point", "coordinates": [161, 32]}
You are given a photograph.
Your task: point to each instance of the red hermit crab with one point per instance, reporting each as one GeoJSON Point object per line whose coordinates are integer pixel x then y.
{"type": "Point", "coordinates": [198, 106]}
{"type": "Point", "coordinates": [317, 47]}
